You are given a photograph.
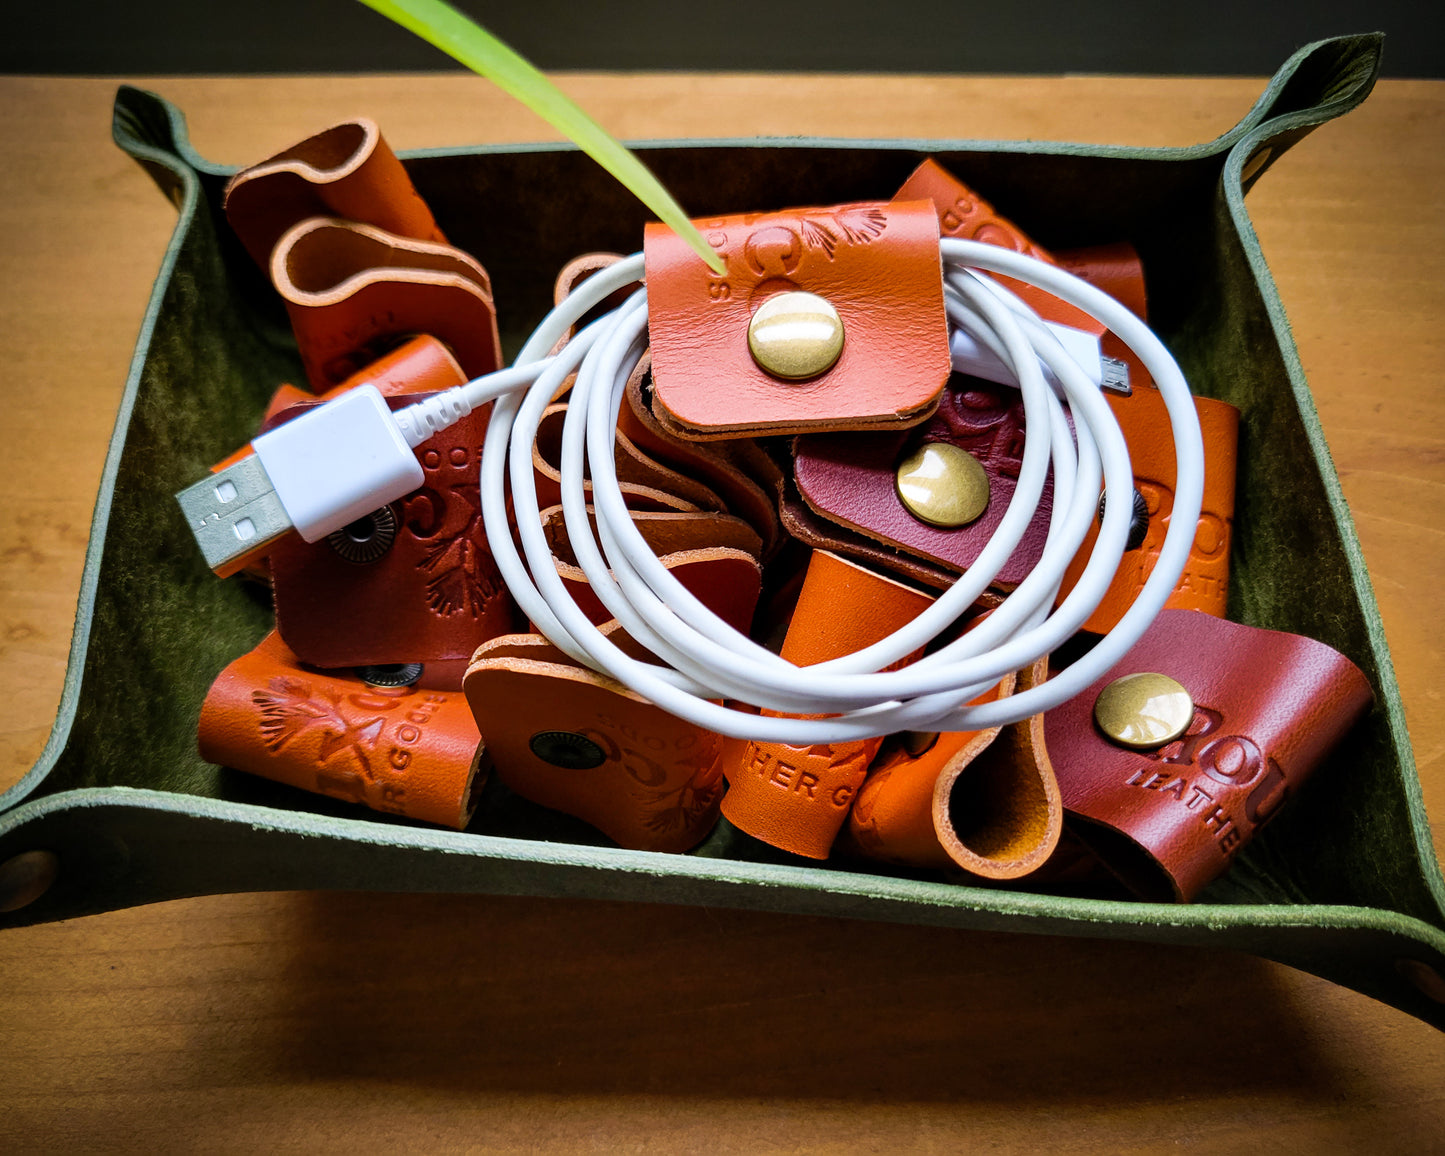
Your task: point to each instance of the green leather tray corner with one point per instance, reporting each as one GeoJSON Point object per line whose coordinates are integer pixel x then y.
{"type": "Point", "coordinates": [1344, 884]}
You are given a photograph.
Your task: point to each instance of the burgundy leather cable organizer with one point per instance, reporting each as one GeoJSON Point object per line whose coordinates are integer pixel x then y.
{"type": "Point", "coordinates": [1268, 707]}
{"type": "Point", "coordinates": [848, 479]}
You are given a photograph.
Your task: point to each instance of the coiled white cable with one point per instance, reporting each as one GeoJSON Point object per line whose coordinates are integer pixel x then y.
{"type": "Point", "coordinates": [703, 661]}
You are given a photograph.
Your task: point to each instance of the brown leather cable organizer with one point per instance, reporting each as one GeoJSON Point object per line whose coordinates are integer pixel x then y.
{"type": "Point", "coordinates": [1341, 882]}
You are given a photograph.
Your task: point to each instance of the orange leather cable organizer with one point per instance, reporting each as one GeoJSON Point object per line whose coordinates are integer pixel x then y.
{"type": "Point", "coordinates": [798, 797]}
{"type": "Point", "coordinates": [570, 739]}
{"type": "Point", "coordinates": [414, 581]}
{"type": "Point", "coordinates": [877, 264]}
{"type": "Point", "coordinates": [346, 171]}
{"type": "Point", "coordinates": [400, 750]}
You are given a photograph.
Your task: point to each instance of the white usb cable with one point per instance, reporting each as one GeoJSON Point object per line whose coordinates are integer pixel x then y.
{"type": "Point", "coordinates": [704, 661]}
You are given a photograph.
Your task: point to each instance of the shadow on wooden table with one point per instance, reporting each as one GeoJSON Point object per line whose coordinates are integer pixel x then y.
{"type": "Point", "coordinates": [531, 995]}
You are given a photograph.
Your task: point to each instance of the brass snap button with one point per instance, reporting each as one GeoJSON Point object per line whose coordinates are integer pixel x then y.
{"type": "Point", "coordinates": [1143, 711]}
{"type": "Point", "coordinates": [795, 336]}
{"type": "Point", "coordinates": [942, 485]}
{"type": "Point", "coordinates": [567, 749]}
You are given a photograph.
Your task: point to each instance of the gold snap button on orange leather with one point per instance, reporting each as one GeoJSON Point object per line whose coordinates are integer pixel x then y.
{"type": "Point", "coordinates": [795, 336]}
{"type": "Point", "coordinates": [942, 485]}
{"type": "Point", "coordinates": [1143, 711]}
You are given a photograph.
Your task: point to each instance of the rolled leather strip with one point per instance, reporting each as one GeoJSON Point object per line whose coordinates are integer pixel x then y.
{"type": "Point", "coordinates": [797, 798]}
{"type": "Point", "coordinates": [1001, 816]}
{"type": "Point", "coordinates": [893, 817]}
{"type": "Point", "coordinates": [850, 479]}
{"type": "Point", "coordinates": [398, 750]}
{"type": "Point", "coordinates": [740, 473]}
{"type": "Point", "coordinates": [1268, 708]}
{"type": "Point", "coordinates": [966, 216]}
{"type": "Point", "coordinates": [645, 483]}
{"type": "Point", "coordinates": [985, 801]}
{"type": "Point", "coordinates": [354, 291]}
{"type": "Point", "coordinates": [876, 264]}
{"type": "Point", "coordinates": [715, 556]}
{"type": "Point", "coordinates": [1204, 584]}
{"type": "Point", "coordinates": [1115, 269]}
{"type": "Point", "coordinates": [568, 738]}
{"type": "Point", "coordinates": [573, 274]}
{"type": "Point", "coordinates": [347, 171]}
{"type": "Point", "coordinates": [413, 582]}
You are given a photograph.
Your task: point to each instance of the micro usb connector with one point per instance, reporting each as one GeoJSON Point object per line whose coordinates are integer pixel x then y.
{"type": "Point", "coordinates": [315, 474]}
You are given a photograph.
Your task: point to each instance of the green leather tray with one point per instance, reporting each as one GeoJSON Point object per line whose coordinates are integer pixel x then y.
{"type": "Point", "coordinates": [1344, 884]}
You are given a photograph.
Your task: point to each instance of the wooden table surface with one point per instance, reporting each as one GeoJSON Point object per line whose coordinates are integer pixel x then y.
{"type": "Point", "coordinates": [306, 1021]}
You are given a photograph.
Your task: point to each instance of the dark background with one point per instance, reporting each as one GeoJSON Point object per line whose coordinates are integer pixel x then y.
{"type": "Point", "coordinates": [1218, 37]}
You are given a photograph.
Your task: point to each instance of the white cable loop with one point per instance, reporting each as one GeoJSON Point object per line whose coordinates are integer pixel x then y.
{"type": "Point", "coordinates": [704, 661]}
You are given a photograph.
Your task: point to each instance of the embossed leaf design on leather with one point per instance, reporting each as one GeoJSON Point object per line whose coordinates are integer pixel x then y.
{"type": "Point", "coordinates": [289, 710]}
{"type": "Point", "coordinates": [682, 807]}
{"type": "Point", "coordinates": [463, 576]}
{"type": "Point", "coordinates": [856, 227]}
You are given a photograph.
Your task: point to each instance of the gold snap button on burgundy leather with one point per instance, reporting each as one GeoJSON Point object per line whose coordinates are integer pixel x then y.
{"type": "Point", "coordinates": [795, 336]}
{"type": "Point", "coordinates": [942, 485]}
{"type": "Point", "coordinates": [26, 877]}
{"type": "Point", "coordinates": [1143, 711]}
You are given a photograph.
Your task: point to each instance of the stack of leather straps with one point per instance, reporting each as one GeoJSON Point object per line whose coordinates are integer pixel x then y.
{"type": "Point", "coordinates": [815, 495]}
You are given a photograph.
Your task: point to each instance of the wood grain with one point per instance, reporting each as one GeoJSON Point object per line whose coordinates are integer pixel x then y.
{"type": "Point", "coordinates": [343, 1021]}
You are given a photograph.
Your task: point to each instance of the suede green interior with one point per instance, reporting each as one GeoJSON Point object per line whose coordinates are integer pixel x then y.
{"type": "Point", "coordinates": [1343, 884]}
